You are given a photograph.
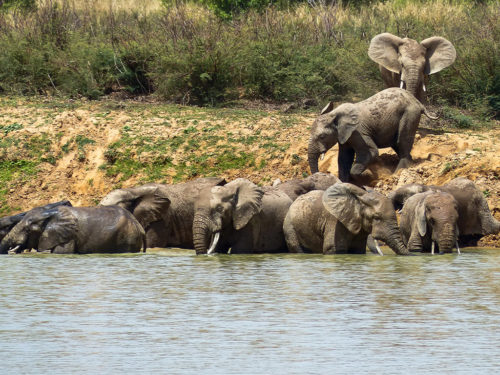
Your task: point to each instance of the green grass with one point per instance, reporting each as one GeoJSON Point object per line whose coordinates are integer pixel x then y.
{"type": "Point", "coordinates": [14, 173]}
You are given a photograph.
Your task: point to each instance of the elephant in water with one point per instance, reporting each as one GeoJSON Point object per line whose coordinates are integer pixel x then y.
{"type": "Point", "coordinates": [474, 217]}
{"type": "Point", "coordinates": [405, 63]}
{"type": "Point", "coordinates": [240, 217]}
{"type": "Point", "coordinates": [68, 230]}
{"type": "Point", "coordinates": [165, 211]}
{"type": "Point", "coordinates": [387, 119]}
{"type": "Point", "coordinates": [296, 187]}
{"type": "Point", "coordinates": [430, 218]}
{"type": "Point", "coordinates": [8, 222]}
{"type": "Point", "coordinates": [339, 220]}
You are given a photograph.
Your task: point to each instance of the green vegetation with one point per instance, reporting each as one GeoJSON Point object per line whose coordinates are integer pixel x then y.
{"type": "Point", "coordinates": [188, 52]}
{"type": "Point", "coordinates": [13, 170]}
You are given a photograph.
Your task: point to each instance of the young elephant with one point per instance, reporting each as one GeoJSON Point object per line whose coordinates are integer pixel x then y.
{"type": "Point", "coordinates": [474, 216]}
{"type": "Point", "coordinates": [240, 216]}
{"type": "Point", "coordinates": [67, 230]}
{"type": "Point", "coordinates": [296, 187]}
{"type": "Point", "coordinates": [339, 220]}
{"type": "Point", "coordinates": [429, 218]}
{"type": "Point", "coordinates": [387, 119]}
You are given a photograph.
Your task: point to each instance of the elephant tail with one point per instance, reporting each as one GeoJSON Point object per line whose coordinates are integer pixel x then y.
{"type": "Point", "coordinates": [428, 114]}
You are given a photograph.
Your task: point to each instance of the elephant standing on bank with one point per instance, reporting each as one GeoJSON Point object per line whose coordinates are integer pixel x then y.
{"type": "Point", "coordinates": [165, 211]}
{"type": "Point", "coordinates": [240, 217]}
{"type": "Point", "coordinates": [81, 230]}
{"type": "Point", "coordinates": [8, 222]}
{"type": "Point", "coordinates": [296, 187]}
{"type": "Point", "coordinates": [428, 219]}
{"type": "Point", "coordinates": [405, 63]}
{"type": "Point", "coordinates": [339, 220]}
{"type": "Point", "coordinates": [387, 119]}
{"type": "Point", "coordinates": [474, 217]}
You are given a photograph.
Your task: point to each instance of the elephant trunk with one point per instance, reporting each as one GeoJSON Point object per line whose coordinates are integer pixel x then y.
{"type": "Point", "coordinates": [445, 237]}
{"type": "Point", "coordinates": [201, 233]}
{"type": "Point", "coordinates": [412, 79]}
{"type": "Point", "coordinates": [392, 237]}
{"type": "Point", "coordinates": [313, 154]}
{"type": "Point", "coordinates": [15, 238]}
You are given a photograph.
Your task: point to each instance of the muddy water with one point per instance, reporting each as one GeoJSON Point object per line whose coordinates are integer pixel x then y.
{"type": "Point", "coordinates": [170, 312]}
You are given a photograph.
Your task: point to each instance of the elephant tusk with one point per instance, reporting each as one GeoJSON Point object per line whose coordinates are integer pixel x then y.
{"type": "Point", "coordinates": [425, 90]}
{"type": "Point", "coordinates": [378, 248]}
{"type": "Point", "coordinates": [432, 247]}
{"type": "Point", "coordinates": [322, 156]}
{"type": "Point", "coordinates": [401, 85]}
{"type": "Point", "coordinates": [458, 249]}
{"type": "Point", "coordinates": [13, 250]}
{"type": "Point", "coordinates": [214, 243]}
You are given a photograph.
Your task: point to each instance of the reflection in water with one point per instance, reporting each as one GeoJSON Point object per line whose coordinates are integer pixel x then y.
{"type": "Point", "coordinates": [171, 312]}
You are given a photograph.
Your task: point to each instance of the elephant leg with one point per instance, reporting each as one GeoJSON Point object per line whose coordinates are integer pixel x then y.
{"type": "Point", "coordinates": [364, 156]}
{"type": "Point", "coordinates": [345, 160]}
{"type": "Point", "coordinates": [406, 136]}
{"type": "Point", "coordinates": [291, 238]}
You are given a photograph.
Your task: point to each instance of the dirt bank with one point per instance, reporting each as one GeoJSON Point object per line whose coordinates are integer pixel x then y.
{"type": "Point", "coordinates": [79, 150]}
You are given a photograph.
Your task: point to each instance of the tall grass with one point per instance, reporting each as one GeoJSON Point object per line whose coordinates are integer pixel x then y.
{"type": "Point", "coordinates": [185, 53]}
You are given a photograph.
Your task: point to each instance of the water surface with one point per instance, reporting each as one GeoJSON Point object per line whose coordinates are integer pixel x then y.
{"type": "Point", "coordinates": [170, 312]}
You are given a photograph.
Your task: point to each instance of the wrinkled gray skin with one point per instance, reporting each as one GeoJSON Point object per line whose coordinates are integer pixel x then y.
{"type": "Point", "coordinates": [430, 217]}
{"type": "Point", "coordinates": [387, 119]}
{"type": "Point", "coordinates": [242, 217]}
{"type": "Point", "coordinates": [474, 217]}
{"type": "Point", "coordinates": [8, 222]}
{"type": "Point", "coordinates": [296, 187]}
{"type": "Point", "coordinates": [80, 230]}
{"type": "Point", "coordinates": [339, 220]}
{"type": "Point", "coordinates": [406, 63]}
{"type": "Point", "coordinates": [166, 212]}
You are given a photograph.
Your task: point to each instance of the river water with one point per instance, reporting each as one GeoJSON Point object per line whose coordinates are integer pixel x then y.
{"type": "Point", "coordinates": [170, 312]}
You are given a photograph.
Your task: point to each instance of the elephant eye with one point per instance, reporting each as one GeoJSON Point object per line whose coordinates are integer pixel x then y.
{"type": "Point", "coordinates": [219, 208]}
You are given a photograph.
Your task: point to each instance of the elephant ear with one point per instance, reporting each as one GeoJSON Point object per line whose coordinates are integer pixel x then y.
{"type": "Point", "coordinates": [440, 54]}
{"type": "Point", "coordinates": [420, 218]}
{"type": "Point", "coordinates": [342, 201]}
{"type": "Point", "coordinates": [61, 228]}
{"type": "Point", "coordinates": [328, 108]}
{"type": "Point", "coordinates": [247, 201]}
{"type": "Point", "coordinates": [151, 206]}
{"type": "Point", "coordinates": [347, 121]}
{"type": "Point", "coordinates": [384, 50]}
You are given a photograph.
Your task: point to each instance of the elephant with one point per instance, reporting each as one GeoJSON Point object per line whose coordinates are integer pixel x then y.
{"type": "Point", "coordinates": [474, 217]}
{"type": "Point", "coordinates": [8, 222]}
{"type": "Point", "coordinates": [296, 187]}
{"type": "Point", "coordinates": [76, 230]}
{"type": "Point", "coordinates": [387, 119]}
{"type": "Point", "coordinates": [339, 220]}
{"type": "Point", "coordinates": [241, 217]}
{"type": "Point", "coordinates": [405, 63]}
{"type": "Point", "coordinates": [428, 219]}
{"type": "Point", "coordinates": [166, 212]}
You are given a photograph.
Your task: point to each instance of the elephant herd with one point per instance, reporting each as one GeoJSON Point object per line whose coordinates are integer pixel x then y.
{"type": "Point", "coordinates": [317, 214]}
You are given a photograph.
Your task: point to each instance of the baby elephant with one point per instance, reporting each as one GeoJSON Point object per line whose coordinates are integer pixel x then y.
{"type": "Point", "coordinates": [339, 220]}
{"type": "Point", "coordinates": [387, 119]}
{"type": "Point", "coordinates": [67, 230]}
{"type": "Point", "coordinates": [429, 218]}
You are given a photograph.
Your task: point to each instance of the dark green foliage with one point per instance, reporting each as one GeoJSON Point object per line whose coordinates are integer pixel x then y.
{"type": "Point", "coordinates": [18, 4]}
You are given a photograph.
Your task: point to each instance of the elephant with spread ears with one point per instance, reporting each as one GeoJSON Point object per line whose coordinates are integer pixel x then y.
{"type": "Point", "coordinates": [9, 222]}
{"type": "Point", "coordinates": [76, 230]}
{"type": "Point", "coordinates": [165, 211]}
{"type": "Point", "coordinates": [241, 217]}
{"type": "Point", "coordinates": [474, 216]}
{"type": "Point", "coordinates": [428, 219]}
{"type": "Point", "coordinates": [339, 220]}
{"type": "Point", "coordinates": [405, 63]}
{"type": "Point", "coordinates": [389, 118]}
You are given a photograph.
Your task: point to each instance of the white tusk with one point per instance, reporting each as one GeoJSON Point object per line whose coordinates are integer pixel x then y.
{"type": "Point", "coordinates": [378, 248]}
{"type": "Point", "coordinates": [322, 156]}
{"type": "Point", "coordinates": [401, 85]}
{"type": "Point", "coordinates": [14, 249]}
{"type": "Point", "coordinates": [424, 88]}
{"type": "Point", "coordinates": [214, 243]}
{"type": "Point", "coordinates": [458, 249]}
{"type": "Point", "coordinates": [432, 247]}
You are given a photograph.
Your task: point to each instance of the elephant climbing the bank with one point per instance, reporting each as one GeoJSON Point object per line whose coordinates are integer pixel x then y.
{"type": "Point", "coordinates": [241, 217]}
{"type": "Point", "coordinates": [296, 187]}
{"type": "Point", "coordinates": [8, 222]}
{"type": "Point", "coordinates": [165, 211]}
{"type": "Point", "coordinates": [405, 63]}
{"type": "Point", "coordinates": [339, 220]}
{"type": "Point", "coordinates": [80, 230]}
{"type": "Point", "coordinates": [428, 219]}
{"type": "Point", "coordinates": [474, 217]}
{"type": "Point", "coordinates": [387, 119]}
